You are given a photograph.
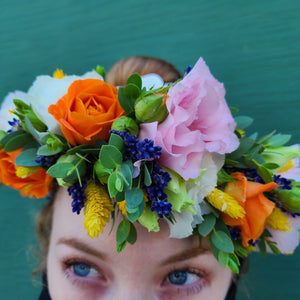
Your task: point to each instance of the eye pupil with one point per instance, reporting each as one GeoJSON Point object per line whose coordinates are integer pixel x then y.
{"type": "Point", "coordinates": [178, 277]}
{"type": "Point", "coordinates": [81, 269]}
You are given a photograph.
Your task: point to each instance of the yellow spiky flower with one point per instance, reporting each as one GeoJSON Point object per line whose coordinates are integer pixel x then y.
{"type": "Point", "coordinates": [225, 203]}
{"type": "Point", "coordinates": [122, 207]}
{"type": "Point", "coordinates": [24, 172]}
{"type": "Point", "coordinates": [59, 74]}
{"type": "Point", "coordinates": [290, 164]}
{"type": "Point", "coordinates": [97, 208]}
{"type": "Point", "coordinates": [279, 221]}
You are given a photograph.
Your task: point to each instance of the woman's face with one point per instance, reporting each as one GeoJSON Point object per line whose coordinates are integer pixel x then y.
{"type": "Point", "coordinates": [155, 267]}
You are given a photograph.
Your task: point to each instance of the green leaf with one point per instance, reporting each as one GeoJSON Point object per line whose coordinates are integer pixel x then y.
{"type": "Point", "coordinates": [207, 224]}
{"type": "Point", "coordinates": [221, 226]}
{"type": "Point", "coordinates": [243, 122]}
{"type": "Point", "coordinates": [223, 258]}
{"type": "Point", "coordinates": [120, 196]}
{"type": "Point", "coordinates": [233, 110]}
{"type": "Point", "coordinates": [147, 177]}
{"type": "Point", "coordinates": [233, 266]}
{"type": "Point", "coordinates": [123, 231]}
{"type": "Point", "coordinates": [244, 147]}
{"type": "Point", "coordinates": [111, 185]}
{"type": "Point", "coordinates": [101, 171]}
{"type": "Point", "coordinates": [265, 139]}
{"type": "Point", "coordinates": [32, 130]}
{"type": "Point", "coordinates": [265, 173]}
{"type": "Point", "coordinates": [134, 216]}
{"type": "Point", "coordinates": [224, 177]}
{"type": "Point", "coordinates": [110, 156]}
{"type": "Point", "coordinates": [262, 247]}
{"type": "Point", "coordinates": [279, 140]}
{"type": "Point", "coordinates": [135, 79]}
{"type": "Point", "coordinates": [17, 142]}
{"type": "Point", "coordinates": [125, 173]}
{"type": "Point", "coordinates": [134, 197]}
{"type": "Point", "coordinates": [270, 166]}
{"type": "Point", "coordinates": [60, 170]}
{"type": "Point", "coordinates": [235, 259]}
{"type": "Point", "coordinates": [215, 251]}
{"type": "Point", "coordinates": [125, 102]}
{"type": "Point", "coordinates": [45, 151]}
{"type": "Point", "coordinates": [117, 141]}
{"type": "Point", "coordinates": [274, 249]}
{"type": "Point", "coordinates": [11, 135]}
{"type": "Point", "coordinates": [120, 247]}
{"type": "Point", "coordinates": [131, 91]}
{"type": "Point", "coordinates": [222, 241]}
{"type": "Point", "coordinates": [83, 149]}
{"type": "Point", "coordinates": [119, 184]}
{"type": "Point", "coordinates": [132, 210]}
{"type": "Point", "coordinates": [132, 235]}
{"type": "Point", "coordinates": [27, 158]}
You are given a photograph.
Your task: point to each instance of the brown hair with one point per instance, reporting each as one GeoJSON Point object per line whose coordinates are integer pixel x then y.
{"type": "Point", "coordinates": [142, 65]}
{"type": "Point", "coordinates": [117, 76]}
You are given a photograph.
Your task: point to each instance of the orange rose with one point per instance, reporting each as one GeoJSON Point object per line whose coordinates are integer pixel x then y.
{"type": "Point", "coordinates": [87, 111]}
{"type": "Point", "coordinates": [258, 208]}
{"type": "Point", "coordinates": [37, 185]}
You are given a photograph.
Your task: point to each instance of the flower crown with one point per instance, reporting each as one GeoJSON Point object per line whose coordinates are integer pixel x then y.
{"type": "Point", "coordinates": [151, 151]}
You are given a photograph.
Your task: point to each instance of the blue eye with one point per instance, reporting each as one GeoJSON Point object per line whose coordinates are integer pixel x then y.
{"type": "Point", "coordinates": [84, 270]}
{"type": "Point", "coordinates": [181, 277]}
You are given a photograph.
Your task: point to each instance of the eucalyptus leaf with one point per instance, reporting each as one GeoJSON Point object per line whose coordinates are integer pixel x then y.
{"type": "Point", "coordinates": [134, 197]}
{"type": "Point", "coordinates": [207, 224]}
{"type": "Point", "coordinates": [119, 184]}
{"type": "Point", "coordinates": [147, 177]}
{"type": "Point", "coordinates": [101, 171]}
{"type": "Point", "coordinates": [27, 158]}
{"type": "Point", "coordinates": [111, 185]}
{"type": "Point", "coordinates": [221, 226]}
{"type": "Point", "coordinates": [270, 166]}
{"type": "Point", "coordinates": [244, 147]}
{"type": "Point", "coordinates": [279, 140]}
{"type": "Point", "coordinates": [117, 141]}
{"type": "Point", "coordinates": [233, 266]}
{"type": "Point", "coordinates": [120, 247]}
{"type": "Point", "coordinates": [125, 172]}
{"type": "Point", "coordinates": [243, 122]}
{"type": "Point", "coordinates": [60, 170]}
{"type": "Point", "coordinates": [123, 231]}
{"type": "Point", "coordinates": [45, 151]}
{"type": "Point", "coordinates": [224, 177]}
{"type": "Point", "coordinates": [120, 196]}
{"type": "Point", "coordinates": [222, 241]}
{"type": "Point", "coordinates": [215, 251]}
{"type": "Point", "coordinates": [265, 173]}
{"type": "Point", "coordinates": [17, 142]}
{"type": "Point", "coordinates": [83, 149]}
{"type": "Point", "coordinates": [110, 156]}
{"type": "Point", "coordinates": [11, 135]}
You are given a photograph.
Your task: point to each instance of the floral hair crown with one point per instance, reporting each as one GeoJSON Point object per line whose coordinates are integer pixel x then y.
{"type": "Point", "coordinates": [172, 152]}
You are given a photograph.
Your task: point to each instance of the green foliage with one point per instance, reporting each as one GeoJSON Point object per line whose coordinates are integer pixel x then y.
{"type": "Point", "coordinates": [243, 122]}
{"type": "Point", "coordinates": [134, 197]}
{"type": "Point", "coordinates": [207, 224]}
{"type": "Point", "coordinates": [100, 70]}
{"type": "Point", "coordinates": [110, 156]}
{"type": "Point", "coordinates": [61, 170]}
{"type": "Point", "coordinates": [27, 158]}
{"type": "Point", "coordinates": [224, 177]}
{"type": "Point", "coordinates": [222, 241]}
{"type": "Point", "coordinates": [15, 140]}
{"type": "Point", "coordinates": [126, 232]}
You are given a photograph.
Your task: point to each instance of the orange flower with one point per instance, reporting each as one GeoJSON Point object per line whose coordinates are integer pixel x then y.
{"type": "Point", "coordinates": [37, 185]}
{"type": "Point", "coordinates": [258, 208]}
{"type": "Point", "coordinates": [87, 111]}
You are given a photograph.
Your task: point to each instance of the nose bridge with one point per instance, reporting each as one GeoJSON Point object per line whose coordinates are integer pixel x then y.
{"type": "Point", "coordinates": [134, 289]}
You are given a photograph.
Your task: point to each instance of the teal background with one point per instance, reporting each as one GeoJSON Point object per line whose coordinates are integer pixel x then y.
{"type": "Point", "coordinates": [251, 46]}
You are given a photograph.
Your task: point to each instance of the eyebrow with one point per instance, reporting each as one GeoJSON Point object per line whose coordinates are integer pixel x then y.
{"type": "Point", "coordinates": [184, 255]}
{"type": "Point", "coordinates": [81, 246]}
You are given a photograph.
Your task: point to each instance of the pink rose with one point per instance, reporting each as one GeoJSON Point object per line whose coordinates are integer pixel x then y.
{"type": "Point", "coordinates": [199, 123]}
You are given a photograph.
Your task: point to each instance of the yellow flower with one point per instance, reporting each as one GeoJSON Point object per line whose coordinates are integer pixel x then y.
{"type": "Point", "coordinates": [225, 203]}
{"type": "Point", "coordinates": [97, 208]}
{"type": "Point", "coordinates": [279, 221]}
{"type": "Point", "coordinates": [24, 172]}
{"type": "Point", "coordinates": [241, 132]}
{"type": "Point", "coordinates": [122, 207]}
{"type": "Point", "coordinates": [59, 74]}
{"type": "Point", "coordinates": [290, 164]}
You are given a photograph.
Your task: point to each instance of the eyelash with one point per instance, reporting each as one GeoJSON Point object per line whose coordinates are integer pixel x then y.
{"type": "Point", "coordinates": [189, 289]}
{"type": "Point", "coordinates": [78, 280]}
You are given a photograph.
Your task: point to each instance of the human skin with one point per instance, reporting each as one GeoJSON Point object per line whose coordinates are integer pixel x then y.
{"type": "Point", "coordinates": [155, 267]}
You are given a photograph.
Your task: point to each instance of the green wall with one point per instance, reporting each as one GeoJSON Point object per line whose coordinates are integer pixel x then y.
{"type": "Point", "coordinates": [252, 46]}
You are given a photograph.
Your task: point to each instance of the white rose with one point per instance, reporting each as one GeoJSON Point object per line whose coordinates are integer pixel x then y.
{"type": "Point", "coordinates": [46, 90]}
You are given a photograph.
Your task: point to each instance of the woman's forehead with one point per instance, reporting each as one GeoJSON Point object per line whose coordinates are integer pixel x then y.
{"type": "Point", "coordinates": [67, 229]}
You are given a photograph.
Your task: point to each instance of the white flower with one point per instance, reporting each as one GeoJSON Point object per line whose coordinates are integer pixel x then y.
{"type": "Point", "coordinates": [152, 80]}
{"type": "Point", "coordinates": [46, 90]}
{"type": "Point", "coordinates": [7, 106]}
{"type": "Point", "coordinates": [197, 190]}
